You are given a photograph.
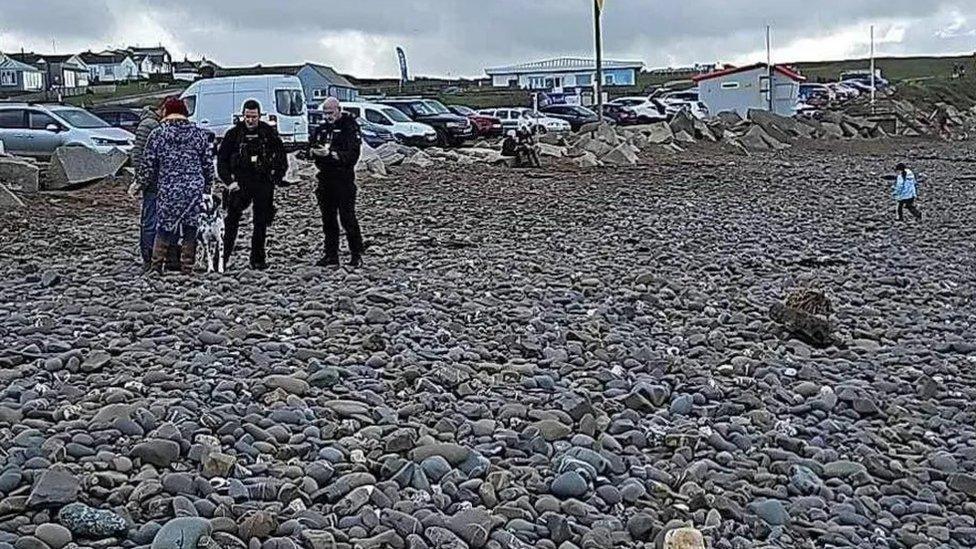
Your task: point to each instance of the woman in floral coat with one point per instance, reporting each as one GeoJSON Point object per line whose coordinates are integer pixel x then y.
{"type": "Point", "coordinates": [179, 159]}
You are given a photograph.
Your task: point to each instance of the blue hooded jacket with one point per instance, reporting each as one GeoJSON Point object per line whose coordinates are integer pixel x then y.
{"type": "Point", "coordinates": [905, 186]}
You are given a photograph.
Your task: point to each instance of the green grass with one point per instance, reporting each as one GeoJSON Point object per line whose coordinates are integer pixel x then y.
{"type": "Point", "coordinates": [122, 91]}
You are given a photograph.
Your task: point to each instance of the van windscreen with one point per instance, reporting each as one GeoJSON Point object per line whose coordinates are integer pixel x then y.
{"type": "Point", "coordinates": [289, 102]}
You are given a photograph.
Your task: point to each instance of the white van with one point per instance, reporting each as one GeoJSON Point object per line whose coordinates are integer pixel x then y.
{"type": "Point", "coordinates": [406, 131]}
{"type": "Point", "coordinates": [215, 104]}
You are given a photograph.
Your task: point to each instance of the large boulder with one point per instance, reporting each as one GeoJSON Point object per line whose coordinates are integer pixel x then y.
{"type": "Point", "coordinates": [781, 128]}
{"type": "Point", "coordinates": [587, 160]}
{"type": "Point", "coordinates": [757, 140]}
{"type": "Point", "coordinates": [683, 122]}
{"type": "Point", "coordinates": [595, 146]}
{"type": "Point", "coordinates": [8, 200]}
{"type": "Point", "coordinates": [623, 155]}
{"type": "Point", "coordinates": [659, 133]}
{"type": "Point", "coordinates": [19, 174]}
{"type": "Point", "coordinates": [74, 166]}
{"type": "Point", "coordinates": [545, 149]}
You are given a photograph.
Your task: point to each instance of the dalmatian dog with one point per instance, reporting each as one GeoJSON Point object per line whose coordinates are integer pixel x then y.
{"type": "Point", "coordinates": [210, 234]}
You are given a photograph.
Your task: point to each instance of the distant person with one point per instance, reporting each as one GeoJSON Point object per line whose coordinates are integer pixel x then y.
{"type": "Point", "coordinates": [178, 160]}
{"type": "Point", "coordinates": [335, 147]}
{"type": "Point", "coordinates": [520, 145]}
{"type": "Point", "coordinates": [251, 162]}
{"type": "Point", "coordinates": [905, 192]}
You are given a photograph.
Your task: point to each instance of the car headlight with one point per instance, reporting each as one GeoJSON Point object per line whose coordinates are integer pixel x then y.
{"type": "Point", "coordinates": [453, 125]}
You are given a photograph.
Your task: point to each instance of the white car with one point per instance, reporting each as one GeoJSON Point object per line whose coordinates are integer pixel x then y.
{"type": "Point", "coordinates": [519, 117]}
{"type": "Point", "coordinates": [405, 130]}
{"type": "Point", "coordinates": [646, 110]}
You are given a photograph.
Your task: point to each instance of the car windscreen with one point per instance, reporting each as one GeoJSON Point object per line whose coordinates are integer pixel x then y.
{"type": "Point", "coordinates": [466, 111]}
{"type": "Point", "coordinates": [422, 108]}
{"type": "Point", "coordinates": [581, 111]}
{"type": "Point", "coordinates": [396, 115]}
{"type": "Point", "coordinates": [289, 102]}
{"type": "Point", "coordinates": [438, 107]}
{"type": "Point", "coordinates": [78, 118]}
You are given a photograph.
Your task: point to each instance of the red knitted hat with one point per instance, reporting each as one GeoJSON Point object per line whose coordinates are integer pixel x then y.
{"type": "Point", "coordinates": [175, 105]}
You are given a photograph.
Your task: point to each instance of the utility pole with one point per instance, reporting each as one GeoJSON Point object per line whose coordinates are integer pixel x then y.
{"type": "Point", "coordinates": [873, 88]}
{"type": "Point", "coordinates": [597, 13]}
{"type": "Point", "coordinates": [769, 67]}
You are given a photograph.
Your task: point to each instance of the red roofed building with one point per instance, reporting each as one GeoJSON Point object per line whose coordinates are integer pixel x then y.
{"type": "Point", "coordinates": [740, 89]}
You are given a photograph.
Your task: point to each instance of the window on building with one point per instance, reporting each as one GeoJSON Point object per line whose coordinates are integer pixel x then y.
{"type": "Point", "coordinates": [318, 94]}
{"type": "Point", "coordinates": [109, 70]}
{"type": "Point", "coordinates": [537, 82]}
{"type": "Point", "coordinates": [608, 80]}
{"type": "Point", "coordinates": [8, 78]}
{"type": "Point", "coordinates": [730, 85]}
{"type": "Point", "coordinates": [584, 80]}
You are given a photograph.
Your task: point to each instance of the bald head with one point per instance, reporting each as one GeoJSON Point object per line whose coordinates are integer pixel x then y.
{"type": "Point", "coordinates": [331, 109]}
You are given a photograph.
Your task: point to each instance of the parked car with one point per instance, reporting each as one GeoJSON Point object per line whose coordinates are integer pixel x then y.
{"type": "Point", "coordinates": [486, 126]}
{"type": "Point", "coordinates": [452, 130]}
{"type": "Point", "coordinates": [622, 116]}
{"type": "Point", "coordinates": [215, 104]}
{"type": "Point", "coordinates": [515, 118]}
{"type": "Point", "coordinates": [815, 95]}
{"type": "Point", "coordinates": [576, 115]}
{"type": "Point", "coordinates": [646, 110]}
{"type": "Point", "coordinates": [683, 96]}
{"type": "Point", "coordinates": [405, 130]}
{"type": "Point", "coordinates": [37, 130]}
{"type": "Point", "coordinates": [843, 92]}
{"type": "Point", "coordinates": [119, 117]}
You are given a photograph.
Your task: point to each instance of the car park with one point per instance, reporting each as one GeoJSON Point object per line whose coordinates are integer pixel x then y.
{"type": "Point", "coordinates": [119, 117]}
{"type": "Point", "coordinates": [815, 95]}
{"type": "Point", "coordinates": [484, 126]}
{"type": "Point", "coordinates": [373, 134]}
{"type": "Point", "coordinates": [405, 130]}
{"type": "Point", "coordinates": [576, 115]}
{"type": "Point", "coordinates": [37, 130]}
{"type": "Point", "coordinates": [452, 130]}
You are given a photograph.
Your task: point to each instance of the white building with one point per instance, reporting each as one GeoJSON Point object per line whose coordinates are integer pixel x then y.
{"type": "Point", "coordinates": [110, 67]}
{"type": "Point", "coordinates": [744, 88]}
{"type": "Point", "coordinates": [152, 61]}
{"type": "Point", "coordinates": [564, 74]}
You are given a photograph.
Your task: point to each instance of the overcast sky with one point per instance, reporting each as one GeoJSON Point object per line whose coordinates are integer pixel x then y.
{"type": "Point", "coordinates": [462, 37]}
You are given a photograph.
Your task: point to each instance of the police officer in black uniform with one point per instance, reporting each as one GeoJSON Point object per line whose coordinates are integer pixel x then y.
{"type": "Point", "coordinates": [251, 161]}
{"type": "Point", "coordinates": [335, 149]}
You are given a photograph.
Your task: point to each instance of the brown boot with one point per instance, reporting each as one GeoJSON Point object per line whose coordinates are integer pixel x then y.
{"type": "Point", "coordinates": [158, 260]}
{"type": "Point", "coordinates": [188, 257]}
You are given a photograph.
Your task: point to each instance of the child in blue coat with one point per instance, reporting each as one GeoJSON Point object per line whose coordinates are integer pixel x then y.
{"type": "Point", "coordinates": [905, 192]}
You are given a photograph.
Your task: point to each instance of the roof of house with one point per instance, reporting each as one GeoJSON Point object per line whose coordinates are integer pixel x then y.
{"type": "Point", "coordinates": [782, 69]}
{"type": "Point", "coordinates": [107, 58]}
{"type": "Point", "coordinates": [32, 58]}
{"type": "Point", "coordinates": [326, 72]}
{"type": "Point", "coordinates": [564, 64]}
{"type": "Point", "coordinates": [8, 63]}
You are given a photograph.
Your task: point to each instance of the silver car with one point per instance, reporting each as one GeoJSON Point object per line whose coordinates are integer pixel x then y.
{"type": "Point", "coordinates": [39, 129]}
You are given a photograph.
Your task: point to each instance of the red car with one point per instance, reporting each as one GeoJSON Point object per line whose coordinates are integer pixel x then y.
{"type": "Point", "coordinates": [484, 126]}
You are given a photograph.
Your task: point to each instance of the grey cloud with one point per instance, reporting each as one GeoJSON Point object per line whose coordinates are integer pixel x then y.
{"type": "Point", "coordinates": [461, 37]}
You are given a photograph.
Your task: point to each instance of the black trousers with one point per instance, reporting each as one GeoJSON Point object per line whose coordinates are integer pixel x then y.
{"type": "Point", "coordinates": [261, 196]}
{"type": "Point", "coordinates": [337, 202]}
{"type": "Point", "coordinates": [908, 204]}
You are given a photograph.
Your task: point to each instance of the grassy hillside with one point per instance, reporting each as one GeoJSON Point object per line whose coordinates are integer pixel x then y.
{"type": "Point", "coordinates": [892, 68]}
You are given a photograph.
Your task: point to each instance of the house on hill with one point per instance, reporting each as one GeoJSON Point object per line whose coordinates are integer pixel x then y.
{"type": "Point", "coordinates": [152, 60]}
{"type": "Point", "coordinates": [16, 76]}
{"type": "Point", "coordinates": [110, 67]}
{"type": "Point", "coordinates": [563, 74]}
{"type": "Point", "coordinates": [60, 72]}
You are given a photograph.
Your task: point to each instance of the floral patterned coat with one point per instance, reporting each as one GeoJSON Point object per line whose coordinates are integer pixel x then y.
{"type": "Point", "coordinates": [179, 159]}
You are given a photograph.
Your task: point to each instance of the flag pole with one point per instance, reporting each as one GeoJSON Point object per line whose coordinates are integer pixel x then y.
{"type": "Point", "coordinates": [597, 13]}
